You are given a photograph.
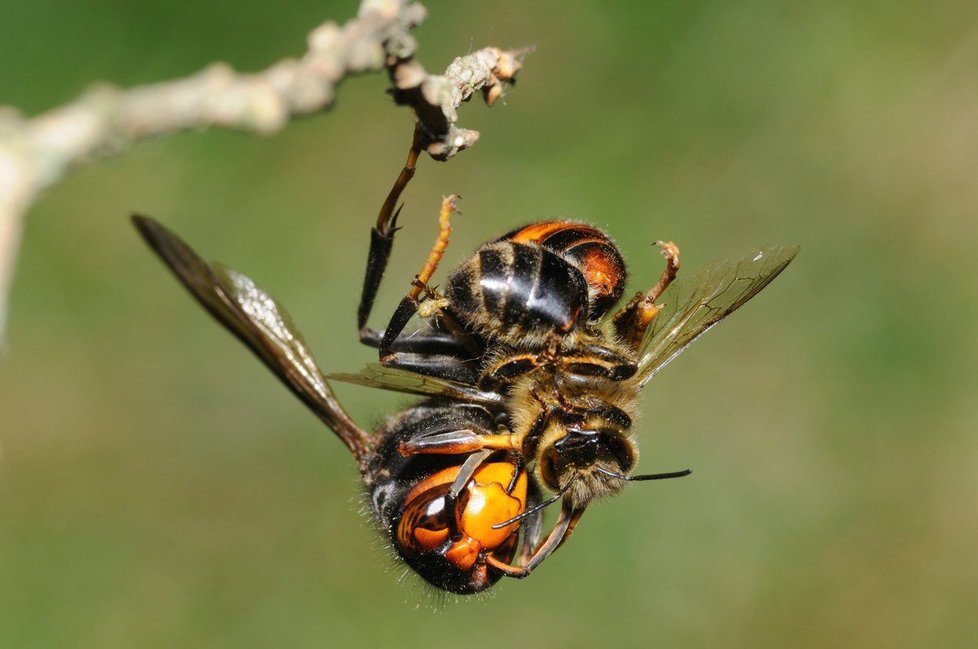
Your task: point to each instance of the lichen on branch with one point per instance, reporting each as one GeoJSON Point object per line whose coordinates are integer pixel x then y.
{"type": "Point", "coordinates": [37, 152]}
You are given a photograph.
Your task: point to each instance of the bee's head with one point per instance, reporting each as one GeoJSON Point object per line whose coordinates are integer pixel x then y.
{"type": "Point", "coordinates": [587, 464]}
{"type": "Point", "coordinates": [582, 465]}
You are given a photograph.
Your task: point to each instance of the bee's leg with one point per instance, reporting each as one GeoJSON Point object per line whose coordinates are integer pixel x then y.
{"type": "Point", "coordinates": [585, 360]}
{"type": "Point", "coordinates": [411, 303]}
{"type": "Point", "coordinates": [507, 369]}
{"type": "Point", "coordinates": [382, 237]}
{"type": "Point", "coordinates": [562, 530]}
{"type": "Point", "coordinates": [456, 442]}
{"type": "Point", "coordinates": [671, 254]}
{"type": "Point", "coordinates": [635, 317]}
{"type": "Point", "coordinates": [449, 206]}
{"type": "Point", "coordinates": [597, 360]}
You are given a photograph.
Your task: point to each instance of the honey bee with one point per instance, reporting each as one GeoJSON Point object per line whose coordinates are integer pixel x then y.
{"type": "Point", "coordinates": [530, 382]}
{"type": "Point", "coordinates": [526, 317]}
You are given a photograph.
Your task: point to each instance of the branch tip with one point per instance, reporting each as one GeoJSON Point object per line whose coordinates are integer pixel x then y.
{"type": "Point", "coordinates": [105, 120]}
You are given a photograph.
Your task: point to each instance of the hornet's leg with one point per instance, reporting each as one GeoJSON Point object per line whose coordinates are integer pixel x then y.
{"type": "Point", "coordinates": [587, 360]}
{"type": "Point", "coordinates": [424, 341]}
{"type": "Point", "coordinates": [381, 242]}
{"type": "Point", "coordinates": [431, 352]}
{"type": "Point", "coordinates": [382, 237]}
{"type": "Point", "coordinates": [457, 442]}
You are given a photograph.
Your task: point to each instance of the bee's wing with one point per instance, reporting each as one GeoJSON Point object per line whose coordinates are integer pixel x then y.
{"type": "Point", "coordinates": [692, 305]}
{"type": "Point", "coordinates": [261, 324]}
{"type": "Point", "coordinates": [388, 378]}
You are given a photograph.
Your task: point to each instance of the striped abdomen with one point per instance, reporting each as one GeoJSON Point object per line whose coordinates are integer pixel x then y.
{"type": "Point", "coordinates": [507, 289]}
{"type": "Point", "coordinates": [589, 250]}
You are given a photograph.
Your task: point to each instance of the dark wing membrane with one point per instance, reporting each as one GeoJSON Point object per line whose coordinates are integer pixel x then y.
{"type": "Point", "coordinates": [387, 378]}
{"type": "Point", "coordinates": [692, 305]}
{"type": "Point", "coordinates": [260, 322]}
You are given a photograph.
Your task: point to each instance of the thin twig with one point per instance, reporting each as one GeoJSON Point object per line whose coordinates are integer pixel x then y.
{"type": "Point", "coordinates": [37, 152]}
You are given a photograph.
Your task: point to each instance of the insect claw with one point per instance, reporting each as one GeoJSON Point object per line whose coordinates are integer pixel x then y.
{"type": "Point", "coordinates": [517, 367]}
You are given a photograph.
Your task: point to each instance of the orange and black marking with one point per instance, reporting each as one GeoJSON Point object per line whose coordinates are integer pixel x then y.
{"type": "Point", "coordinates": [496, 493]}
{"type": "Point", "coordinates": [589, 249]}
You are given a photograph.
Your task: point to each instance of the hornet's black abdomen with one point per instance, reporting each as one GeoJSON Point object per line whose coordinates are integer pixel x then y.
{"type": "Point", "coordinates": [508, 288]}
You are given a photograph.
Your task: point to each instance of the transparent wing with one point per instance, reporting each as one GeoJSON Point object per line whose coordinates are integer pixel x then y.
{"type": "Point", "coordinates": [695, 304]}
{"type": "Point", "coordinates": [387, 378]}
{"type": "Point", "coordinates": [259, 322]}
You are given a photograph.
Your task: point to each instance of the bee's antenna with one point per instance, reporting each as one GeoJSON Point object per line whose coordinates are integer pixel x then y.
{"type": "Point", "coordinates": [647, 476]}
{"type": "Point", "coordinates": [533, 510]}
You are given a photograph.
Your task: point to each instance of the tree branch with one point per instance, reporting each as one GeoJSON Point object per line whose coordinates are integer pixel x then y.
{"type": "Point", "coordinates": [37, 152]}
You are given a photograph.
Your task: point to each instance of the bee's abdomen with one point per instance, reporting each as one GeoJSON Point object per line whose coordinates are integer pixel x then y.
{"type": "Point", "coordinates": [509, 288]}
{"type": "Point", "coordinates": [587, 248]}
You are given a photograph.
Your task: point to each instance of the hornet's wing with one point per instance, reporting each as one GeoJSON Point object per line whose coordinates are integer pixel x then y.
{"type": "Point", "coordinates": [260, 323]}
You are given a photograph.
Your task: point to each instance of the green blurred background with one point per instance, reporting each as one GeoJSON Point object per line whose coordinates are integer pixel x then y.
{"type": "Point", "coordinates": [158, 488]}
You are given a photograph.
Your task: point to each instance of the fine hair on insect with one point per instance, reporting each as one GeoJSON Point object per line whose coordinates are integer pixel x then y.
{"type": "Point", "coordinates": [528, 375]}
